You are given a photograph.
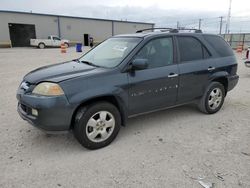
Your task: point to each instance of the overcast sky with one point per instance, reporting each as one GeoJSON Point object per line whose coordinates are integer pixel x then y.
{"type": "Point", "coordinates": [163, 13]}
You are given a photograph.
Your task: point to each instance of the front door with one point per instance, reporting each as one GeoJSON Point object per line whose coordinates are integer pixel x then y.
{"type": "Point", "coordinates": [154, 87]}
{"type": "Point", "coordinates": [56, 41]}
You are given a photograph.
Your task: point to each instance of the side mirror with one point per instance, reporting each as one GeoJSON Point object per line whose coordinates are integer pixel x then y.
{"type": "Point", "coordinates": [247, 63]}
{"type": "Point", "coordinates": [139, 64]}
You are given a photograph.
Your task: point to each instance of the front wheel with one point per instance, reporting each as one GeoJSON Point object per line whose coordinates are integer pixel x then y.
{"type": "Point", "coordinates": [97, 125]}
{"type": "Point", "coordinates": [213, 99]}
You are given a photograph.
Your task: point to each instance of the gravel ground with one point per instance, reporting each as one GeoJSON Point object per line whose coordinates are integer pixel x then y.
{"type": "Point", "coordinates": [171, 148]}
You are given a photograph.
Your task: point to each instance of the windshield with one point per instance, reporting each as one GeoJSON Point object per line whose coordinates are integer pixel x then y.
{"type": "Point", "coordinates": [111, 52]}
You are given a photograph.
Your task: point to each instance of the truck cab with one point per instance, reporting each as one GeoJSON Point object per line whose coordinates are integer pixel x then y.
{"type": "Point", "coordinates": [51, 41]}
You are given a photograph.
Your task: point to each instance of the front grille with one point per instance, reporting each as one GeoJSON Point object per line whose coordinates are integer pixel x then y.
{"type": "Point", "coordinates": [24, 108]}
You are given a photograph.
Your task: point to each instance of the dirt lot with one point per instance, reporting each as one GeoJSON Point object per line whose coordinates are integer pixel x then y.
{"type": "Point", "coordinates": [171, 148]}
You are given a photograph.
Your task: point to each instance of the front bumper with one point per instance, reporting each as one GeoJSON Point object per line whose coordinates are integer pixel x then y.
{"type": "Point", "coordinates": [232, 82]}
{"type": "Point", "coordinates": [54, 113]}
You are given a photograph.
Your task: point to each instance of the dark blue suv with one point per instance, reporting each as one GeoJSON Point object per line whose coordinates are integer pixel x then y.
{"type": "Point", "coordinates": [125, 76]}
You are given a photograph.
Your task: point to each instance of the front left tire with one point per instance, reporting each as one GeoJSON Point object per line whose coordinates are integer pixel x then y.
{"type": "Point", "coordinates": [97, 125]}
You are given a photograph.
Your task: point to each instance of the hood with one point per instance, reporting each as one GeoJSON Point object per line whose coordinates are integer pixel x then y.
{"type": "Point", "coordinates": [60, 72]}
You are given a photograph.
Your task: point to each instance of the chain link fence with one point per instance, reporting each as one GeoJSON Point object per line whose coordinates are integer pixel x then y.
{"type": "Point", "coordinates": [238, 39]}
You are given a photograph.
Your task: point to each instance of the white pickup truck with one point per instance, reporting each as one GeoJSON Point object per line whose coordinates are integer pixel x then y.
{"type": "Point", "coordinates": [52, 41]}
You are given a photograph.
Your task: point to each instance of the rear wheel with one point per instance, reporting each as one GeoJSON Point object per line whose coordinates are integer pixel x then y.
{"type": "Point", "coordinates": [213, 99]}
{"type": "Point", "coordinates": [97, 125]}
{"type": "Point", "coordinates": [41, 45]}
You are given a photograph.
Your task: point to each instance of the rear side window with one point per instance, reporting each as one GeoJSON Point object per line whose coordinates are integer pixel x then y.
{"type": "Point", "coordinates": [191, 49]}
{"type": "Point", "coordinates": [219, 45]}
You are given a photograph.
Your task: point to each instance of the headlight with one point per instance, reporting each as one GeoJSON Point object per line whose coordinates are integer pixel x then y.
{"type": "Point", "coordinates": [48, 89]}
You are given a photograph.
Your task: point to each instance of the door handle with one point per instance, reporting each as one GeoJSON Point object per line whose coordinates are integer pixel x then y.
{"type": "Point", "coordinates": [210, 68]}
{"type": "Point", "coordinates": [172, 75]}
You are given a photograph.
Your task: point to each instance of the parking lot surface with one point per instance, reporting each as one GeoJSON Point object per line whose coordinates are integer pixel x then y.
{"type": "Point", "coordinates": [171, 148]}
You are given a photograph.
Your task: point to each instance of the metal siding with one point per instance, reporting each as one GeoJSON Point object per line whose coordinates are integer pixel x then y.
{"type": "Point", "coordinates": [124, 27]}
{"type": "Point", "coordinates": [73, 29]}
{"type": "Point", "coordinates": [77, 17]}
{"type": "Point", "coordinates": [44, 25]}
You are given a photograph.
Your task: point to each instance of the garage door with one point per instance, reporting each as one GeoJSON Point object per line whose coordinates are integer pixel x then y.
{"type": "Point", "coordinates": [20, 34]}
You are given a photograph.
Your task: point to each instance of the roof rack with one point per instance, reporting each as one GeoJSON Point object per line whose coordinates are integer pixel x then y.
{"type": "Point", "coordinates": [195, 30]}
{"type": "Point", "coordinates": [153, 28]}
{"type": "Point", "coordinates": [171, 30]}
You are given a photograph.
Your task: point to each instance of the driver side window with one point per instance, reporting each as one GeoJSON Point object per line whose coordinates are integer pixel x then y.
{"type": "Point", "coordinates": [158, 52]}
{"type": "Point", "coordinates": [56, 38]}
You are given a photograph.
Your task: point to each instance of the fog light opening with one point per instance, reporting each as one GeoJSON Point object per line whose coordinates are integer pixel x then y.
{"type": "Point", "coordinates": [34, 112]}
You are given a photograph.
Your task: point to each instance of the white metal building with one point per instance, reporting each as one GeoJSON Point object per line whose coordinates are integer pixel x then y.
{"type": "Point", "coordinates": [17, 28]}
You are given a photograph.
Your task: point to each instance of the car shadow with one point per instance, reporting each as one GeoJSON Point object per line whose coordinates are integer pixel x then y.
{"type": "Point", "coordinates": [66, 141]}
{"type": "Point", "coordinates": [146, 121]}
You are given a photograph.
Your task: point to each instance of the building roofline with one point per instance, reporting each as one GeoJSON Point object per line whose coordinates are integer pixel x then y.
{"type": "Point", "coordinates": [76, 17]}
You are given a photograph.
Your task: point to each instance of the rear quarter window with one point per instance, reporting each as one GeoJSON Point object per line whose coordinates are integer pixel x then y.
{"type": "Point", "coordinates": [219, 45]}
{"type": "Point", "coordinates": [191, 49]}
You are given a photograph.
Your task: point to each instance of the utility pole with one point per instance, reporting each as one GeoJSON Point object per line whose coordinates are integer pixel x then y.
{"type": "Point", "coordinates": [221, 22]}
{"type": "Point", "coordinates": [228, 18]}
{"type": "Point", "coordinates": [200, 24]}
{"type": "Point", "coordinates": [178, 25]}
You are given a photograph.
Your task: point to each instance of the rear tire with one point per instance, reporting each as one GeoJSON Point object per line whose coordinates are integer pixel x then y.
{"type": "Point", "coordinates": [213, 98]}
{"type": "Point", "coordinates": [41, 45]}
{"type": "Point", "coordinates": [97, 125]}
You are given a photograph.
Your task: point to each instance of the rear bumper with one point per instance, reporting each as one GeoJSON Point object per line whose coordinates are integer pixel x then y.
{"type": "Point", "coordinates": [54, 113]}
{"type": "Point", "coordinates": [247, 64]}
{"type": "Point", "coordinates": [232, 82]}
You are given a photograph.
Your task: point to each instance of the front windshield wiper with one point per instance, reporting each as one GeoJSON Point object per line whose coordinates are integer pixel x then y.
{"type": "Point", "coordinates": [76, 60]}
{"type": "Point", "coordinates": [89, 63]}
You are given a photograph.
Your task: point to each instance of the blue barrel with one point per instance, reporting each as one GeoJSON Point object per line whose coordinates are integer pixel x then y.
{"type": "Point", "coordinates": [79, 47]}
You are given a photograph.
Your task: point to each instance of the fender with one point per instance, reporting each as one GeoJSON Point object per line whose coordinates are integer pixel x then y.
{"type": "Point", "coordinates": [216, 75]}
{"type": "Point", "coordinates": [121, 100]}
{"type": "Point", "coordinates": [222, 77]}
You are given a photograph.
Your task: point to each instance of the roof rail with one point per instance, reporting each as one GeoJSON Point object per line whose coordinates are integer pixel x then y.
{"type": "Point", "coordinates": [171, 30]}
{"type": "Point", "coordinates": [153, 28]}
{"type": "Point", "coordinates": [195, 30]}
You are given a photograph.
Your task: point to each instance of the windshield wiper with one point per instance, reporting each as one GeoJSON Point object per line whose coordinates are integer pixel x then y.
{"type": "Point", "coordinates": [76, 60]}
{"type": "Point", "coordinates": [89, 63]}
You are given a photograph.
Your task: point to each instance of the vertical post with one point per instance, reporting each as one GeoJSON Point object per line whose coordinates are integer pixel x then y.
{"type": "Point", "coordinates": [221, 22]}
{"type": "Point", "coordinates": [113, 33]}
{"type": "Point", "coordinates": [243, 43]}
{"type": "Point", "coordinates": [59, 27]}
{"type": "Point", "coordinates": [228, 18]}
{"type": "Point", "coordinates": [200, 24]}
{"type": "Point", "coordinates": [178, 25]}
{"type": "Point", "coordinates": [231, 38]}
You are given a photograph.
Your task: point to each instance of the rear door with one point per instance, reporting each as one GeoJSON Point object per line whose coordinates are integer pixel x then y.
{"type": "Point", "coordinates": [194, 67]}
{"type": "Point", "coordinates": [156, 86]}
